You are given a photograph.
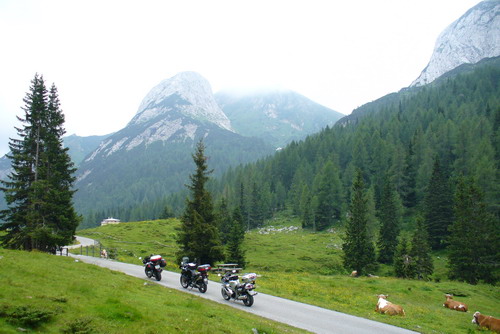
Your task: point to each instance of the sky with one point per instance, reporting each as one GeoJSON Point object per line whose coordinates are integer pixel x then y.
{"type": "Point", "coordinates": [105, 56]}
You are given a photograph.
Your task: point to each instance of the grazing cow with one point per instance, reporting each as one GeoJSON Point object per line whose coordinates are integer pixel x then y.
{"type": "Point", "coordinates": [454, 305]}
{"type": "Point", "coordinates": [493, 324]}
{"type": "Point", "coordinates": [354, 273]}
{"type": "Point", "coordinates": [104, 254]}
{"type": "Point", "coordinates": [386, 307]}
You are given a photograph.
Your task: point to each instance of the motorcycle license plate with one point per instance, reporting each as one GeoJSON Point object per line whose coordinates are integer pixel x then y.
{"type": "Point", "coordinates": [157, 266]}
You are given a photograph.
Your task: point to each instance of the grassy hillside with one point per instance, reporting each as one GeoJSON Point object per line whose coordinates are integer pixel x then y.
{"type": "Point", "coordinates": [42, 293]}
{"type": "Point", "coordinates": [306, 267]}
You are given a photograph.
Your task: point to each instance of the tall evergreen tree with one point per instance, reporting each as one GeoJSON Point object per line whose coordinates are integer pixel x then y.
{"type": "Point", "coordinates": [40, 213]}
{"type": "Point", "coordinates": [329, 198]}
{"type": "Point", "coordinates": [390, 224]}
{"type": "Point", "coordinates": [474, 241]}
{"type": "Point", "coordinates": [408, 189]}
{"type": "Point", "coordinates": [224, 221]}
{"type": "Point", "coordinates": [198, 236]}
{"type": "Point", "coordinates": [359, 252]}
{"type": "Point", "coordinates": [402, 260]}
{"type": "Point", "coordinates": [235, 252]}
{"type": "Point", "coordinates": [420, 252]}
{"type": "Point", "coordinates": [306, 208]}
{"type": "Point", "coordinates": [438, 207]}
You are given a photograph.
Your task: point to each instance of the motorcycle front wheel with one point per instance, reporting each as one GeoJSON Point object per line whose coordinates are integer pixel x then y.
{"type": "Point", "coordinates": [224, 294]}
{"type": "Point", "coordinates": [184, 281]}
{"type": "Point", "coordinates": [158, 276]}
{"type": "Point", "coordinates": [248, 301]}
{"type": "Point", "coordinates": [203, 287]}
{"type": "Point", "coordinates": [149, 273]}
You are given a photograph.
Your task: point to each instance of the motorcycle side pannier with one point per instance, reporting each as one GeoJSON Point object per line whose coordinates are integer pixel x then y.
{"type": "Point", "coordinates": [163, 263]}
{"type": "Point", "coordinates": [247, 278]}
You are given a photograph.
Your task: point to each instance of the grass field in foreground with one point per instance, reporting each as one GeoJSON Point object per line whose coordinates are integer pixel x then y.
{"type": "Point", "coordinates": [306, 267]}
{"type": "Point", "coordinates": [42, 293]}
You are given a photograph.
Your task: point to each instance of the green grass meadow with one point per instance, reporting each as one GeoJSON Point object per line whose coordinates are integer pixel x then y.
{"type": "Point", "coordinates": [307, 267]}
{"type": "Point", "coordinates": [42, 293]}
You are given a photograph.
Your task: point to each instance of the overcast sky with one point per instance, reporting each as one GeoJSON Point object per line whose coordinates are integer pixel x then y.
{"type": "Point", "coordinates": [105, 56]}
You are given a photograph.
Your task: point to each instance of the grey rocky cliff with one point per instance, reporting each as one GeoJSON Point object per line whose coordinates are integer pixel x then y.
{"type": "Point", "coordinates": [471, 38]}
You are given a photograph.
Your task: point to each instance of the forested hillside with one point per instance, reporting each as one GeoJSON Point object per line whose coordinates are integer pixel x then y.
{"type": "Point", "coordinates": [450, 127]}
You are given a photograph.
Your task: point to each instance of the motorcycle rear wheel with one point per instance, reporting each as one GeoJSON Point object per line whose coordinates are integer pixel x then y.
{"type": "Point", "coordinates": [184, 281]}
{"type": "Point", "coordinates": [224, 294]}
{"type": "Point", "coordinates": [158, 276]}
{"type": "Point", "coordinates": [203, 287]}
{"type": "Point", "coordinates": [248, 301]}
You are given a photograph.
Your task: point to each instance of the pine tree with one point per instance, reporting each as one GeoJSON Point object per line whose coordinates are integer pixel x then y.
{"type": "Point", "coordinates": [420, 252]}
{"type": "Point", "coordinates": [235, 253]}
{"type": "Point", "coordinates": [474, 240]}
{"type": "Point", "coordinates": [390, 224]}
{"type": "Point", "coordinates": [328, 192]}
{"type": "Point", "coordinates": [359, 252]}
{"type": "Point", "coordinates": [402, 260]}
{"type": "Point", "coordinates": [224, 221]}
{"type": "Point", "coordinates": [198, 236]}
{"type": "Point", "coordinates": [306, 207]}
{"type": "Point", "coordinates": [438, 207]}
{"type": "Point", "coordinates": [40, 213]}
{"type": "Point", "coordinates": [408, 190]}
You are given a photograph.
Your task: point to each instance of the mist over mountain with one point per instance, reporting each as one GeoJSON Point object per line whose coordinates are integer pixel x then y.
{"type": "Point", "coordinates": [151, 157]}
{"type": "Point", "coordinates": [277, 116]}
{"type": "Point", "coordinates": [474, 36]}
{"type": "Point", "coordinates": [81, 146]}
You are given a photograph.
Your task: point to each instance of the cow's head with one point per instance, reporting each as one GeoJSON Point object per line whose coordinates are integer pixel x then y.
{"type": "Point", "coordinates": [474, 318]}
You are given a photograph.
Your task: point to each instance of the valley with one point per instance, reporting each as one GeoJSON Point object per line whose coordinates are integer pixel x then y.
{"type": "Point", "coordinates": [305, 266]}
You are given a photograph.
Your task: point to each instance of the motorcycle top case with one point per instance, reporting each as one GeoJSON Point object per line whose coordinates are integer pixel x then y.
{"type": "Point", "coordinates": [204, 267]}
{"type": "Point", "coordinates": [247, 278]}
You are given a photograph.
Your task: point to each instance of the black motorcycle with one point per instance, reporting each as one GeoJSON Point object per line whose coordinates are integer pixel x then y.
{"type": "Point", "coordinates": [153, 266]}
{"type": "Point", "coordinates": [194, 276]}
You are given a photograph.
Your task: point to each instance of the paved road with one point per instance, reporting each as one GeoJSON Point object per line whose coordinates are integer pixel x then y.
{"type": "Point", "coordinates": [311, 318]}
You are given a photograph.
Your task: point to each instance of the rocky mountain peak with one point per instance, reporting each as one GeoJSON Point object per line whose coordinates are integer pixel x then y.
{"type": "Point", "coordinates": [188, 93]}
{"type": "Point", "coordinates": [471, 38]}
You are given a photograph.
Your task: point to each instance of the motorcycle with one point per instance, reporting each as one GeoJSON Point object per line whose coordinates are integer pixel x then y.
{"type": "Point", "coordinates": [153, 266]}
{"type": "Point", "coordinates": [232, 288]}
{"type": "Point", "coordinates": [194, 276]}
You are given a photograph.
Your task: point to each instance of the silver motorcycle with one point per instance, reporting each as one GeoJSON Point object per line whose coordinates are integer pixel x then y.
{"type": "Point", "coordinates": [232, 288]}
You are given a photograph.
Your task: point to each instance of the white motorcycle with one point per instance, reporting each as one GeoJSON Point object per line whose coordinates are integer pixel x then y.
{"type": "Point", "coordinates": [232, 288]}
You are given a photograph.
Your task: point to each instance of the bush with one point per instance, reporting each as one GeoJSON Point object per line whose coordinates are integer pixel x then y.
{"type": "Point", "coordinates": [26, 315]}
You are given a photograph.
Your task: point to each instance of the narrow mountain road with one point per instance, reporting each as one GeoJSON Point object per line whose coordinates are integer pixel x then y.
{"type": "Point", "coordinates": [311, 318]}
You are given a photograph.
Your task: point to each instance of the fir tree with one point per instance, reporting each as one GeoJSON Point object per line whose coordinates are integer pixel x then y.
{"type": "Point", "coordinates": [198, 235]}
{"type": "Point", "coordinates": [224, 221]}
{"type": "Point", "coordinates": [328, 192]}
{"type": "Point", "coordinates": [235, 253]}
{"type": "Point", "coordinates": [359, 252]}
{"type": "Point", "coordinates": [40, 213]}
{"type": "Point", "coordinates": [408, 189]}
{"type": "Point", "coordinates": [390, 224]}
{"type": "Point", "coordinates": [420, 252]}
{"type": "Point", "coordinates": [438, 207]}
{"type": "Point", "coordinates": [402, 260]}
{"type": "Point", "coordinates": [474, 240]}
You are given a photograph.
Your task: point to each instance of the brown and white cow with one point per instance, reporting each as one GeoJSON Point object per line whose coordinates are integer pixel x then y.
{"type": "Point", "coordinates": [454, 304]}
{"type": "Point", "coordinates": [386, 307]}
{"type": "Point", "coordinates": [493, 324]}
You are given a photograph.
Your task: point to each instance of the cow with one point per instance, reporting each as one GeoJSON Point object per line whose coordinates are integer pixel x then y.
{"type": "Point", "coordinates": [454, 305]}
{"type": "Point", "coordinates": [493, 324]}
{"type": "Point", "coordinates": [354, 273]}
{"type": "Point", "coordinates": [386, 307]}
{"type": "Point", "coordinates": [104, 254]}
